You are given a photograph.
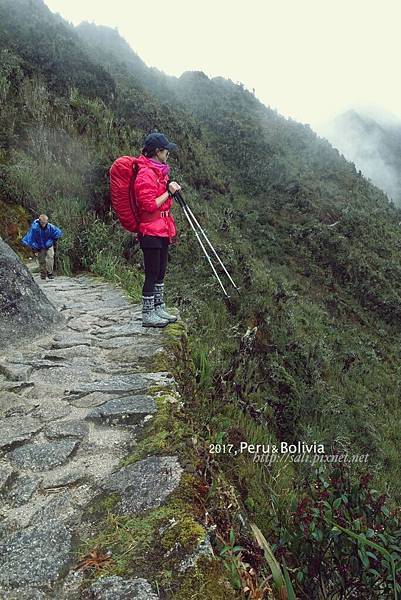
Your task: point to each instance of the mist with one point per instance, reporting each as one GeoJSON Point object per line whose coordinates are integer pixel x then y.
{"type": "Point", "coordinates": [370, 137]}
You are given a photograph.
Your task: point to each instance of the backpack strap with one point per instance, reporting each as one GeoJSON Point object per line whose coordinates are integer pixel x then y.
{"type": "Point", "coordinates": [132, 199]}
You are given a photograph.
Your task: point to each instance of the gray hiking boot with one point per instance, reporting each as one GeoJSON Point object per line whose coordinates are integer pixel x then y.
{"type": "Point", "coordinates": [149, 316]}
{"type": "Point", "coordinates": [160, 305]}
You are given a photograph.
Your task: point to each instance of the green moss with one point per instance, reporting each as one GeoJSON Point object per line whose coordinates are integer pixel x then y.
{"type": "Point", "coordinates": [127, 538]}
{"type": "Point", "coordinates": [159, 362]}
{"type": "Point", "coordinates": [187, 532]}
{"type": "Point", "coordinates": [165, 433]}
{"type": "Point", "coordinates": [152, 544]}
{"type": "Point", "coordinates": [205, 581]}
{"type": "Point", "coordinates": [101, 505]}
{"type": "Point", "coordinates": [165, 388]}
{"type": "Point", "coordinates": [174, 331]}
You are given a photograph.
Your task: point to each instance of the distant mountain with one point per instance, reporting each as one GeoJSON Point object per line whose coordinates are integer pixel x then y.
{"type": "Point", "coordinates": [370, 138]}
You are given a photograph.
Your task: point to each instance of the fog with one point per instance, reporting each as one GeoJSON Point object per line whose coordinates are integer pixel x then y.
{"type": "Point", "coordinates": [309, 60]}
{"type": "Point", "coordinates": [370, 137]}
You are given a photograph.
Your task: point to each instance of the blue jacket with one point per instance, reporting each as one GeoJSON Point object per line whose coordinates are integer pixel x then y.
{"type": "Point", "coordinates": [41, 237]}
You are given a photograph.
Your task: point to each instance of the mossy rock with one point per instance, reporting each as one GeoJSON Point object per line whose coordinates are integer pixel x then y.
{"type": "Point", "coordinates": [186, 531]}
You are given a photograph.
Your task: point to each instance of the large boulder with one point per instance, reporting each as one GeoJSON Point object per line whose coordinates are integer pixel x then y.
{"type": "Point", "coordinates": [24, 309]}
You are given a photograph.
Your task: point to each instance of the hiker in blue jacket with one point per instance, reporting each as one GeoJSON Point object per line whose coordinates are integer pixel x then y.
{"type": "Point", "coordinates": [41, 237]}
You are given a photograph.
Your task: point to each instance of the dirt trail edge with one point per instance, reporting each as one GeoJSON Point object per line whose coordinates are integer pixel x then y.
{"type": "Point", "coordinates": [73, 404]}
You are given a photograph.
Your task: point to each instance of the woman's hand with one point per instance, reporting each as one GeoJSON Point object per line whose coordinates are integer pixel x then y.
{"type": "Point", "coordinates": [174, 187]}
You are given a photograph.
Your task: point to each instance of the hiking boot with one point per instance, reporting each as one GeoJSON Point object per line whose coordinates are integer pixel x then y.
{"type": "Point", "coordinates": [160, 305]}
{"type": "Point", "coordinates": [149, 316]}
{"type": "Point", "coordinates": [163, 314]}
{"type": "Point", "coordinates": [43, 275]}
{"type": "Point", "coordinates": [50, 276]}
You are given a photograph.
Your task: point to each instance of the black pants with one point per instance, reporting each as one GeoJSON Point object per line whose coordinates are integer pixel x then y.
{"type": "Point", "coordinates": [155, 262]}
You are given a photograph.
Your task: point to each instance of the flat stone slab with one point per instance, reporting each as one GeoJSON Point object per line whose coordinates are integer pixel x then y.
{"type": "Point", "coordinates": [57, 509]}
{"type": "Point", "coordinates": [116, 588]}
{"type": "Point", "coordinates": [127, 410]}
{"type": "Point", "coordinates": [42, 391]}
{"type": "Point", "coordinates": [146, 483]}
{"type": "Point", "coordinates": [115, 342]}
{"type": "Point", "coordinates": [60, 429]}
{"type": "Point", "coordinates": [15, 371]}
{"type": "Point", "coordinates": [13, 386]}
{"type": "Point", "coordinates": [109, 313]}
{"type": "Point", "coordinates": [114, 385]}
{"type": "Point", "coordinates": [86, 323]}
{"type": "Point", "coordinates": [21, 490]}
{"type": "Point", "coordinates": [142, 349]}
{"type": "Point", "coordinates": [92, 399]}
{"type": "Point", "coordinates": [112, 302]}
{"type": "Point", "coordinates": [37, 555]}
{"type": "Point", "coordinates": [60, 480]}
{"type": "Point", "coordinates": [51, 409]}
{"type": "Point", "coordinates": [15, 356]}
{"type": "Point", "coordinates": [46, 364]}
{"type": "Point", "coordinates": [162, 379]}
{"type": "Point", "coordinates": [12, 404]}
{"type": "Point", "coordinates": [116, 331]}
{"type": "Point", "coordinates": [63, 378]}
{"type": "Point", "coordinates": [42, 457]}
{"type": "Point", "coordinates": [70, 341]}
{"type": "Point", "coordinates": [68, 353]}
{"type": "Point", "coordinates": [17, 429]}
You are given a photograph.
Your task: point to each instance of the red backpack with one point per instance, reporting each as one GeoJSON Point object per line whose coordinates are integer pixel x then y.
{"type": "Point", "coordinates": [122, 176]}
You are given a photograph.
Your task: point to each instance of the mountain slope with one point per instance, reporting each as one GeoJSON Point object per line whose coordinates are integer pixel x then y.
{"type": "Point", "coordinates": [47, 46]}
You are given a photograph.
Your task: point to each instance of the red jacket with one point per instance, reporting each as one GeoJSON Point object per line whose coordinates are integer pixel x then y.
{"type": "Point", "coordinates": [150, 184]}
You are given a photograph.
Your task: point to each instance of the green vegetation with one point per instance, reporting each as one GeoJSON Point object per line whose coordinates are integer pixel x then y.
{"type": "Point", "coordinates": [309, 351]}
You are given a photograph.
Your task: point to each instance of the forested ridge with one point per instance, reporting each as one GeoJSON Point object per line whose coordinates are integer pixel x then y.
{"type": "Point", "coordinates": [308, 351]}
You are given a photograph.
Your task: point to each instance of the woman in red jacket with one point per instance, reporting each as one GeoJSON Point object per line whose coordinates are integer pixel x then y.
{"type": "Point", "coordinates": [153, 195]}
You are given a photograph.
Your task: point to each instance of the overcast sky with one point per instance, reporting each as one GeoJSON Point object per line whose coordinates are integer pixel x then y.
{"type": "Point", "coordinates": [309, 59]}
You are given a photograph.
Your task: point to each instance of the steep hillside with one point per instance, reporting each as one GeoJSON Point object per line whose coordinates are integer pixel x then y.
{"type": "Point", "coordinates": [373, 143]}
{"type": "Point", "coordinates": [46, 46]}
{"type": "Point", "coordinates": [310, 349]}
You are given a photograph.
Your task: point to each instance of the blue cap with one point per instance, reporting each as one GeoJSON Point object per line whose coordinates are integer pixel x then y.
{"type": "Point", "coordinates": [158, 140]}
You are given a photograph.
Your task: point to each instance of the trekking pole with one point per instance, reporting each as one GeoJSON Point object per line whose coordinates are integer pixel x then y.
{"type": "Point", "coordinates": [178, 195]}
{"type": "Point", "coordinates": [184, 208]}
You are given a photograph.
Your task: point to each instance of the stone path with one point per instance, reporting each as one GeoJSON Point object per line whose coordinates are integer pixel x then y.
{"type": "Point", "coordinates": [71, 403]}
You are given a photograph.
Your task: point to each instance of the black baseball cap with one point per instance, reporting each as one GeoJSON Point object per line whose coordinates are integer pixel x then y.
{"type": "Point", "coordinates": [158, 140]}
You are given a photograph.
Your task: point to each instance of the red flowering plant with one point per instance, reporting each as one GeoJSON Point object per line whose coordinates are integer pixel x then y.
{"type": "Point", "coordinates": [342, 539]}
